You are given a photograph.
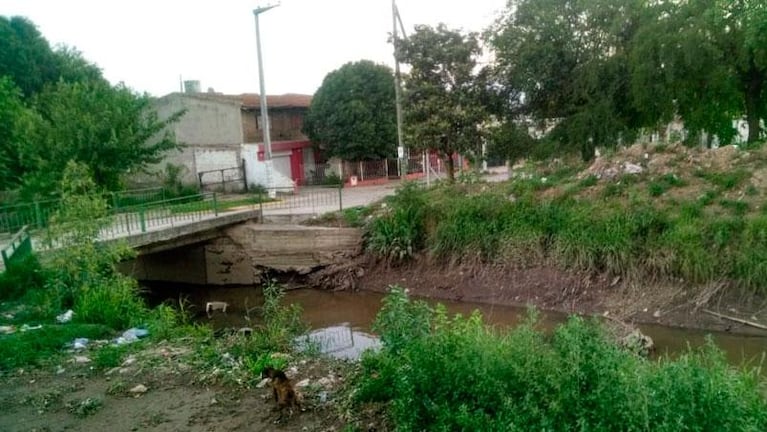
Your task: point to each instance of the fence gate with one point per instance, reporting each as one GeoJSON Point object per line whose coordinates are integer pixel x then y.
{"type": "Point", "coordinates": [230, 179]}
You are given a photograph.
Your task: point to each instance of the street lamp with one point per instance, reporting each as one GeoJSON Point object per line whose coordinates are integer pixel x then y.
{"type": "Point", "coordinates": [264, 114]}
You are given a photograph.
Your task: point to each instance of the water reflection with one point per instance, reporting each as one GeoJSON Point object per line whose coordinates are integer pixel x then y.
{"type": "Point", "coordinates": [342, 320]}
{"type": "Point", "coordinates": [341, 341]}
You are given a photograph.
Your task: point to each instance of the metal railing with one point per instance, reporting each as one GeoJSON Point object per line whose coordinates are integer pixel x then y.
{"type": "Point", "coordinates": [169, 212]}
{"type": "Point", "coordinates": [302, 200]}
{"type": "Point", "coordinates": [19, 248]}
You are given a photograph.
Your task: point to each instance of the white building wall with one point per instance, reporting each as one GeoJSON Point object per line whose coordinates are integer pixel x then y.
{"type": "Point", "coordinates": [255, 170]}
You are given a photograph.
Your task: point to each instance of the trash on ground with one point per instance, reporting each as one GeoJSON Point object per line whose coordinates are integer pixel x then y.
{"type": "Point", "coordinates": [7, 329]}
{"type": "Point", "coordinates": [66, 316]}
{"type": "Point", "coordinates": [131, 335]}
{"type": "Point", "coordinates": [80, 343]}
{"type": "Point", "coordinates": [27, 327]}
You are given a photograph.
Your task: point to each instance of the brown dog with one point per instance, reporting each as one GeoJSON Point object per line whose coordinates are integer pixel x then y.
{"type": "Point", "coordinates": [282, 389]}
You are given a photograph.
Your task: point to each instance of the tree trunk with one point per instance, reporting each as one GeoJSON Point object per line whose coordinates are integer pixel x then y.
{"type": "Point", "coordinates": [449, 164]}
{"type": "Point", "coordinates": [754, 87]}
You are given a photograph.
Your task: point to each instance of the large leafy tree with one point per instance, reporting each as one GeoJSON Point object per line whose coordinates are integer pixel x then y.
{"type": "Point", "coordinates": [352, 115]}
{"type": "Point", "coordinates": [25, 55]}
{"type": "Point", "coordinates": [14, 118]}
{"type": "Point", "coordinates": [110, 129]}
{"type": "Point", "coordinates": [705, 61]}
{"type": "Point", "coordinates": [570, 59]}
{"type": "Point", "coordinates": [443, 106]}
{"type": "Point", "coordinates": [56, 107]}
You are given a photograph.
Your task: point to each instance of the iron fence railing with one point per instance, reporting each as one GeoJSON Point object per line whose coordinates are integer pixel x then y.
{"type": "Point", "coordinates": [301, 200]}
{"type": "Point", "coordinates": [19, 247]}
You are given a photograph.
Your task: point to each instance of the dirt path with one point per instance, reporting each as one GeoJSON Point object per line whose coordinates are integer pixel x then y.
{"type": "Point", "coordinates": [84, 399]}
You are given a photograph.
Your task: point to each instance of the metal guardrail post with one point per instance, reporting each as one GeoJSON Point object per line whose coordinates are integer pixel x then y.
{"type": "Point", "coordinates": [340, 197]}
{"type": "Point", "coordinates": [261, 207]}
{"type": "Point", "coordinates": [215, 205]}
{"type": "Point", "coordinates": [142, 219]}
{"type": "Point", "coordinates": [38, 215]}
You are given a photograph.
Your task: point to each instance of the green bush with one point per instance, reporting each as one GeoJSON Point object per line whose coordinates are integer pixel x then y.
{"type": "Point", "coordinates": [21, 276]}
{"type": "Point", "coordinates": [399, 234]}
{"type": "Point", "coordinates": [460, 374]}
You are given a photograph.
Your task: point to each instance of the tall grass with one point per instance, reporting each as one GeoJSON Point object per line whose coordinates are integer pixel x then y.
{"type": "Point", "coordinates": [630, 239]}
{"type": "Point", "coordinates": [438, 372]}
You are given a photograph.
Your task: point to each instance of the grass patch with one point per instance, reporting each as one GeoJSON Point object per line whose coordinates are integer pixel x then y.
{"type": "Point", "coordinates": [726, 180]}
{"type": "Point", "coordinates": [662, 184]}
{"type": "Point", "coordinates": [36, 347]}
{"type": "Point", "coordinates": [438, 372]}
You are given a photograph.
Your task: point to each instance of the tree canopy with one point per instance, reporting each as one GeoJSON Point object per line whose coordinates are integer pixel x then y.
{"type": "Point", "coordinates": [56, 107]}
{"type": "Point", "coordinates": [602, 71]}
{"type": "Point", "coordinates": [352, 114]}
{"type": "Point", "coordinates": [443, 108]}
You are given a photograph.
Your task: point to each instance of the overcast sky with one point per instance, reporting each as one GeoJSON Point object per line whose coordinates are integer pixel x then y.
{"type": "Point", "coordinates": [148, 44]}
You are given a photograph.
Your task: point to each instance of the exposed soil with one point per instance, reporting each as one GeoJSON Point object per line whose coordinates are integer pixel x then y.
{"type": "Point", "coordinates": [80, 398]}
{"type": "Point", "coordinates": [551, 288]}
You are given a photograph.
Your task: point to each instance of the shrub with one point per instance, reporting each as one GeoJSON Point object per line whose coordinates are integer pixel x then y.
{"type": "Point", "coordinates": [399, 234]}
{"type": "Point", "coordinates": [460, 374]}
{"type": "Point", "coordinates": [21, 276]}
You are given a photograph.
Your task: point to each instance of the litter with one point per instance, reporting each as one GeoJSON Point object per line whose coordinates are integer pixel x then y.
{"type": "Point", "coordinates": [216, 305]}
{"type": "Point", "coordinates": [131, 335]}
{"type": "Point", "coordinates": [66, 316]}
{"type": "Point", "coordinates": [80, 343]}
{"type": "Point", "coordinates": [7, 329]}
{"type": "Point", "coordinates": [27, 327]}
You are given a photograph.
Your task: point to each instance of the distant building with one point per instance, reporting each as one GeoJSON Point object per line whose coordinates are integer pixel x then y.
{"type": "Point", "coordinates": [223, 140]}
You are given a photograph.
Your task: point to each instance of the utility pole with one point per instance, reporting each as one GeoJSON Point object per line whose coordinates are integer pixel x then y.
{"type": "Point", "coordinates": [398, 91]}
{"type": "Point", "coordinates": [265, 125]}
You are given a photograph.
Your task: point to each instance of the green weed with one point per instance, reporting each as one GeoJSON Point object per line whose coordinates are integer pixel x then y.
{"type": "Point", "coordinates": [399, 234]}
{"type": "Point", "coordinates": [37, 347]}
{"type": "Point", "coordinates": [726, 180]}
{"type": "Point", "coordinates": [456, 373]}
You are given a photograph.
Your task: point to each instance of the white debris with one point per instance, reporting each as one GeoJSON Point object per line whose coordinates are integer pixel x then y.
{"type": "Point", "coordinates": [66, 316]}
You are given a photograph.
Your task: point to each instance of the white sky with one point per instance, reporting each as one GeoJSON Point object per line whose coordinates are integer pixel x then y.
{"type": "Point", "coordinates": [148, 43]}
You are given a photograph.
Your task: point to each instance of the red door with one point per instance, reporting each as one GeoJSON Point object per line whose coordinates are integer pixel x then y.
{"type": "Point", "coordinates": [297, 166]}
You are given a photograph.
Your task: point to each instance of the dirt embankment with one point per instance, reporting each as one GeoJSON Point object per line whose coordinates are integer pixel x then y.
{"type": "Point", "coordinates": [551, 288]}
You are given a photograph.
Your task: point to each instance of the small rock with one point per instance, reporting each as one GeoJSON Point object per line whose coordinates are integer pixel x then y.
{"type": "Point", "coordinates": [139, 389]}
{"type": "Point", "coordinates": [213, 401]}
{"type": "Point", "coordinates": [656, 314]}
{"type": "Point", "coordinates": [606, 313]}
{"type": "Point", "coordinates": [129, 361]}
{"type": "Point", "coordinates": [303, 383]}
{"type": "Point", "coordinates": [325, 382]}
{"type": "Point", "coordinates": [293, 370]}
{"type": "Point", "coordinates": [82, 359]}
{"type": "Point", "coordinates": [262, 383]}
{"type": "Point", "coordinates": [60, 370]}
{"type": "Point", "coordinates": [630, 168]}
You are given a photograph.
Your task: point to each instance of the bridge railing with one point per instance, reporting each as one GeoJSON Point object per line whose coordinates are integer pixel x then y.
{"type": "Point", "coordinates": [305, 199]}
{"type": "Point", "coordinates": [152, 215]}
{"type": "Point", "coordinates": [18, 248]}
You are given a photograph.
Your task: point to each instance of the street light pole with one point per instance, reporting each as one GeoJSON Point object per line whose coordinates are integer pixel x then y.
{"type": "Point", "coordinates": [398, 92]}
{"type": "Point", "coordinates": [265, 126]}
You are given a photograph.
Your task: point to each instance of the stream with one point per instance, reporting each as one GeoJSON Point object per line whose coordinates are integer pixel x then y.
{"type": "Point", "coordinates": [341, 320]}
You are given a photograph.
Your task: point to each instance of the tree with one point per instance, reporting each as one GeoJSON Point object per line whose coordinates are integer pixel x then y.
{"type": "Point", "coordinates": [352, 115]}
{"type": "Point", "coordinates": [110, 129]}
{"type": "Point", "coordinates": [443, 109]}
{"type": "Point", "coordinates": [25, 55]}
{"type": "Point", "coordinates": [705, 61]}
{"type": "Point", "coordinates": [14, 118]}
{"type": "Point", "coordinates": [570, 60]}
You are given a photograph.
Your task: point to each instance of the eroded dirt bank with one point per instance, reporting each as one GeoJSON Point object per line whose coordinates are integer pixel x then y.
{"type": "Point", "coordinates": [551, 288]}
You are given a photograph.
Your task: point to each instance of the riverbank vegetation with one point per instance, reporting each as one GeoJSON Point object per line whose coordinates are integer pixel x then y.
{"type": "Point", "coordinates": [683, 216]}
{"type": "Point", "coordinates": [437, 372]}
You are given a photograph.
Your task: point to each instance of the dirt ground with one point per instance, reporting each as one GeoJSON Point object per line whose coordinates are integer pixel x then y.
{"type": "Point", "coordinates": [551, 288]}
{"type": "Point", "coordinates": [78, 397]}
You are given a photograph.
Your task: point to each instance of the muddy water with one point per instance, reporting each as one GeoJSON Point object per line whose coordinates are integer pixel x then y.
{"type": "Point", "coordinates": [341, 321]}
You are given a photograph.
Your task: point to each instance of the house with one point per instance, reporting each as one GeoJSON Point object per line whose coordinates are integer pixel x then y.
{"type": "Point", "coordinates": [222, 139]}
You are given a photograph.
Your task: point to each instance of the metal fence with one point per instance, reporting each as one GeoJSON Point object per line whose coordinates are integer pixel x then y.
{"type": "Point", "coordinates": [230, 179]}
{"type": "Point", "coordinates": [301, 200]}
{"type": "Point", "coordinates": [18, 248]}
{"type": "Point", "coordinates": [165, 213]}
